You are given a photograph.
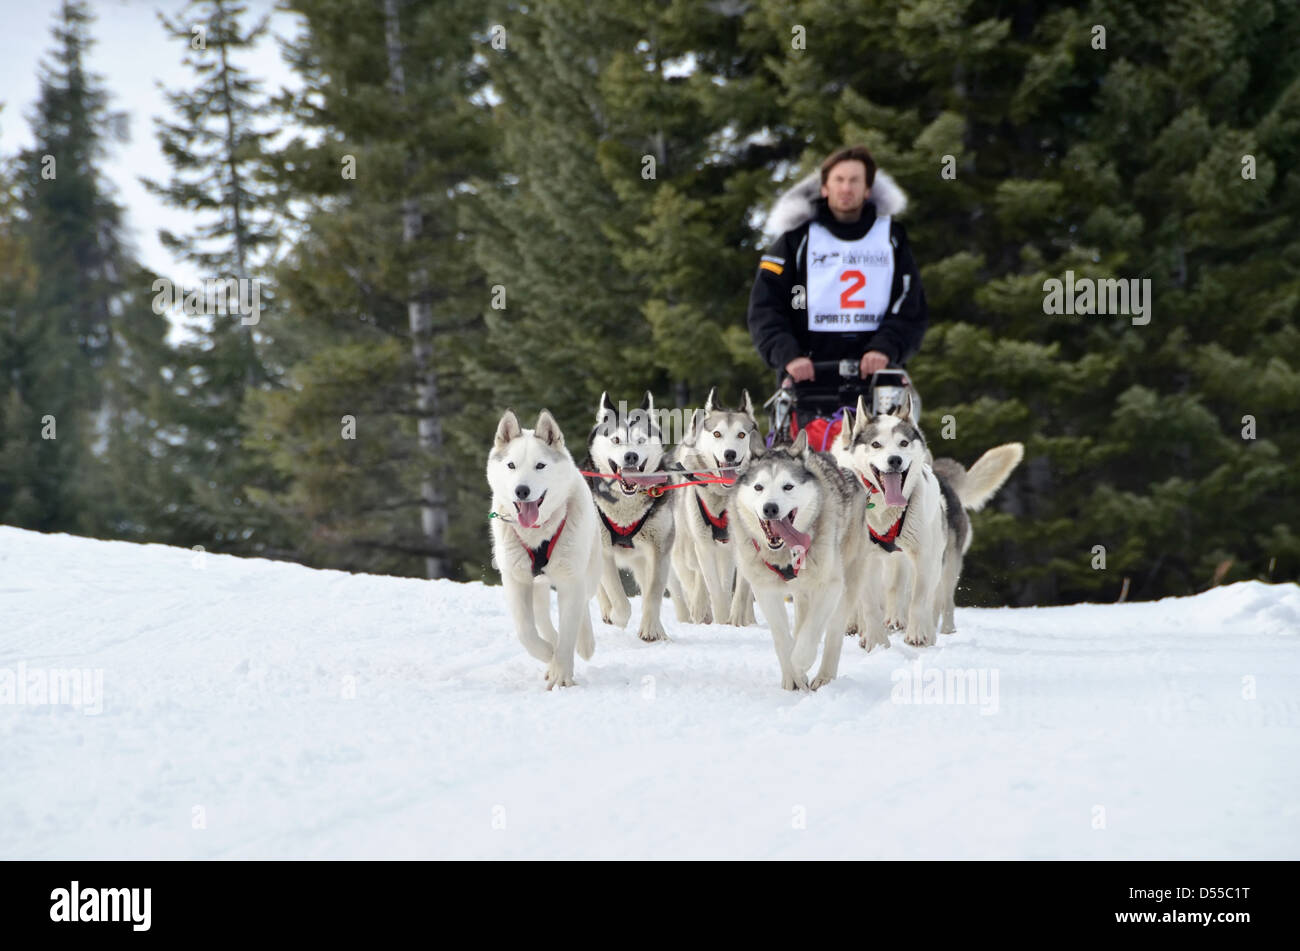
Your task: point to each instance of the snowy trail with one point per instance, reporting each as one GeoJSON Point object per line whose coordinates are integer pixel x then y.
{"type": "Point", "coordinates": [306, 713]}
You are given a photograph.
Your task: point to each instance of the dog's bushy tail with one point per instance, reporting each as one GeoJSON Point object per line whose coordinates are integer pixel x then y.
{"type": "Point", "coordinates": [976, 485]}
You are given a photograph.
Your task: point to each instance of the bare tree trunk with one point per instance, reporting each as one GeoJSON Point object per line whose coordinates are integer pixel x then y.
{"type": "Point", "coordinates": [433, 508]}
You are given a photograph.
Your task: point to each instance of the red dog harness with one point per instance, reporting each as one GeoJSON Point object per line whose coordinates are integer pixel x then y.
{"type": "Point", "coordinates": [540, 555]}
{"type": "Point", "coordinates": [885, 541]}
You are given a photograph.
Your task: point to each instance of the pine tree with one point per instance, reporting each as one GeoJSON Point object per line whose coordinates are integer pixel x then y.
{"type": "Point", "coordinates": [64, 330]}
{"type": "Point", "coordinates": [374, 295]}
{"type": "Point", "coordinates": [216, 146]}
{"type": "Point", "coordinates": [19, 437]}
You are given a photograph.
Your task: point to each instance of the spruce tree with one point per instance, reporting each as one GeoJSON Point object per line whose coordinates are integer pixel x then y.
{"type": "Point", "coordinates": [215, 142]}
{"type": "Point", "coordinates": [375, 294]}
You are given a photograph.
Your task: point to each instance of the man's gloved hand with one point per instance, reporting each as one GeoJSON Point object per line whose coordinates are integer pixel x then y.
{"type": "Point", "coordinates": [872, 361]}
{"type": "Point", "coordinates": [801, 368]}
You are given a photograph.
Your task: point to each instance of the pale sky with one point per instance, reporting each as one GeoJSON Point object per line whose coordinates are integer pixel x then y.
{"type": "Point", "coordinates": [131, 54]}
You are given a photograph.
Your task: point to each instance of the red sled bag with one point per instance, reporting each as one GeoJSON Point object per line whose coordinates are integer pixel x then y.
{"type": "Point", "coordinates": [821, 431]}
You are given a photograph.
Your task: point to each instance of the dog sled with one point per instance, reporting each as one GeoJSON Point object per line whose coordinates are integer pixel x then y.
{"type": "Point", "coordinates": [820, 405]}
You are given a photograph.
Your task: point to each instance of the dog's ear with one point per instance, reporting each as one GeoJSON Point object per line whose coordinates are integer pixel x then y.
{"type": "Point", "coordinates": [747, 404]}
{"type": "Point", "coordinates": [860, 417]}
{"type": "Point", "coordinates": [903, 410]}
{"type": "Point", "coordinates": [708, 402]}
{"type": "Point", "coordinates": [693, 427]}
{"type": "Point", "coordinates": [800, 445]}
{"type": "Point", "coordinates": [548, 430]}
{"type": "Point", "coordinates": [604, 407]}
{"type": "Point", "coordinates": [507, 429]}
{"type": "Point", "coordinates": [847, 431]}
{"type": "Point", "coordinates": [648, 402]}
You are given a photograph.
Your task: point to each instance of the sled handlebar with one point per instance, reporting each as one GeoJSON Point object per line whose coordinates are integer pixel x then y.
{"type": "Point", "coordinates": [847, 369]}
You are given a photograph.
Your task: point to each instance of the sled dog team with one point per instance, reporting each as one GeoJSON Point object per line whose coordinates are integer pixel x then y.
{"type": "Point", "coordinates": [865, 539]}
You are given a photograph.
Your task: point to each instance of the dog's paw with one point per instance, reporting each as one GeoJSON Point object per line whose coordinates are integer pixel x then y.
{"type": "Point", "coordinates": [556, 677]}
{"type": "Point", "coordinates": [869, 643]}
{"type": "Point", "coordinates": [918, 638]}
{"type": "Point", "coordinates": [821, 681]}
{"type": "Point", "coordinates": [894, 625]}
{"type": "Point", "coordinates": [652, 631]}
{"type": "Point", "coordinates": [794, 680]}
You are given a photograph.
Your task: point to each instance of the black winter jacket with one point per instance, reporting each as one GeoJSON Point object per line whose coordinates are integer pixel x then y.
{"type": "Point", "coordinates": [780, 332]}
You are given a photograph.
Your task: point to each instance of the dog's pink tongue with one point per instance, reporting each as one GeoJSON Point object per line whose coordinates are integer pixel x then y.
{"type": "Point", "coordinates": [645, 478]}
{"type": "Point", "coordinates": [892, 483]}
{"type": "Point", "coordinates": [528, 513]}
{"type": "Point", "coordinates": [790, 535]}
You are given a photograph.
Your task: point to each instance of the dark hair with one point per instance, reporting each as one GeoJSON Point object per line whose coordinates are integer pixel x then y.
{"type": "Point", "coordinates": [850, 153]}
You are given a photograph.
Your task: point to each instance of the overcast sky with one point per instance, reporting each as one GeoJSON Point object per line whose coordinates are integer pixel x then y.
{"type": "Point", "coordinates": [132, 54]}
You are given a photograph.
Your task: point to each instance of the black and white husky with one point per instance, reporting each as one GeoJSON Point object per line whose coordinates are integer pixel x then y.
{"type": "Point", "coordinates": [717, 441]}
{"type": "Point", "coordinates": [636, 526]}
{"type": "Point", "coordinates": [798, 524]}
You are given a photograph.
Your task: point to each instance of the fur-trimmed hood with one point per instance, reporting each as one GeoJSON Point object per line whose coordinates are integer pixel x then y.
{"type": "Point", "coordinates": [799, 204]}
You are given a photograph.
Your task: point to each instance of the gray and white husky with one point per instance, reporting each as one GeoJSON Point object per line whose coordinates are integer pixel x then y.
{"type": "Point", "coordinates": [545, 533]}
{"type": "Point", "coordinates": [916, 521]}
{"type": "Point", "coordinates": [636, 527]}
{"type": "Point", "coordinates": [798, 520]}
{"type": "Point", "coordinates": [905, 515]}
{"type": "Point", "coordinates": [717, 440]}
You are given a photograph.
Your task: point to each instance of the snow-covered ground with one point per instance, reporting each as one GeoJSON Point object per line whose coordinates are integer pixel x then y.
{"type": "Point", "coordinates": [258, 709]}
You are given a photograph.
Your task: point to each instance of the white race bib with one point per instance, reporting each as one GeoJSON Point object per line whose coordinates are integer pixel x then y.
{"type": "Point", "coordinates": [849, 281]}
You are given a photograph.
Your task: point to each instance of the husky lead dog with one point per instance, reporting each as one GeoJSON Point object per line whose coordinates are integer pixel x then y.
{"type": "Point", "coordinates": [545, 533]}
{"type": "Point", "coordinates": [905, 513]}
{"type": "Point", "coordinates": [798, 519]}
{"type": "Point", "coordinates": [722, 440]}
{"type": "Point", "coordinates": [637, 528]}
{"type": "Point", "coordinates": [967, 489]}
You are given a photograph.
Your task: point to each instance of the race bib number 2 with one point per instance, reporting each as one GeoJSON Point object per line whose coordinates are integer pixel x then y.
{"type": "Point", "coordinates": [848, 281]}
{"type": "Point", "coordinates": [852, 313]}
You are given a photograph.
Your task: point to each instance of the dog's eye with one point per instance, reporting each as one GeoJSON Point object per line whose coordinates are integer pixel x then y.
{"type": "Point", "coordinates": [875, 445]}
{"type": "Point", "coordinates": [717, 435]}
{"type": "Point", "coordinates": [540, 465]}
{"type": "Point", "coordinates": [614, 440]}
{"type": "Point", "coordinates": [788, 487]}
{"type": "Point", "coordinates": [902, 443]}
{"type": "Point", "coordinates": [758, 488]}
{"type": "Point", "coordinates": [742, 435]}
{"type": "Point", "coordinates": [510, 465]}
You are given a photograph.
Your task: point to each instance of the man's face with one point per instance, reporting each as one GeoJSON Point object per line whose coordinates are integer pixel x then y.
{"type": "Point", "coordinates": [846, 187]}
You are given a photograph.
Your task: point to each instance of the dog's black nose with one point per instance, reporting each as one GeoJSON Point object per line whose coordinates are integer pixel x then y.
{"type": "Point", "coordinates": [770, 510]}
{"type": "Point", "coordinates": [729, 455]}
{"type": "Point", "coordinates": [521, 492]}
{"type": "Point", "coordinates": [895, 462]}
{"type": "Point", "coordinates": [629, 458]}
